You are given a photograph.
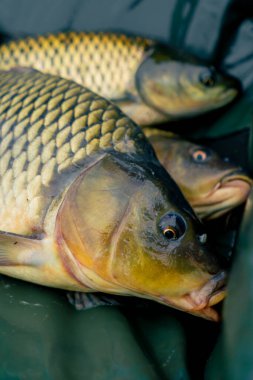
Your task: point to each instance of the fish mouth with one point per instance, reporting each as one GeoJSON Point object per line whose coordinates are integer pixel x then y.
{"type": "Point", "coordinates": [231, 191]}
{"type": "Point", "coordinates": [226, 97]}
{"type": "Point", "coordinates": [200, 302]}
{"type": "Point", "coordinates": [210, 293]}
{"type": "Point", "coordinates": [160, 98]}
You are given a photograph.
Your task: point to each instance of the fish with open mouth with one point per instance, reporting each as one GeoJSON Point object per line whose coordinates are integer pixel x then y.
{"type": "Point", "coordinates": [210, 184]}
{"type": "Point", "coordinates": [149, 81]}
{"type": "Point", "coordinates": [86, 206]}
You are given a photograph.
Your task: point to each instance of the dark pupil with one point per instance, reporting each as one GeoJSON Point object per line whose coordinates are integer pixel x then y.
{"type": "Point", "coordinates": [170, 234]}
{"type": "Point", "coordinates": [172, 225]}
{"type": "Point", "coordinates": [199, 157]}
{"type": "Point", "coordinates": [208, 80]}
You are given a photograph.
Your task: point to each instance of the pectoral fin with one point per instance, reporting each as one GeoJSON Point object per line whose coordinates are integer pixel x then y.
{"type": "Point", "coordinates": [34, 260]}
{"type": "Point", "coordinates": [19, 250]}
{"type": "Point", "coordinates": [85, 301]}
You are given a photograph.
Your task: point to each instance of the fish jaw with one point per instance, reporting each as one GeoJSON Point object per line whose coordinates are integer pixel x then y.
{"type": "Point", "coordinates": [199, 302]}
{"type": "Point", "coordinates": [231, 191]}
{"type": "Point", "coordinates": [173, 108]}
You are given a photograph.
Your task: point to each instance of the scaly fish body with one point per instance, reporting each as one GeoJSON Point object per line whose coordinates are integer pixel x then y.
{"type": "Point", "coordinates": [211, 185]}
{"type": "Point", "coordinates": [150, 83]}
{"type": "Point", "coordinates": [43, 132]}
{"type": "Point", "coordinates": [85, 205]}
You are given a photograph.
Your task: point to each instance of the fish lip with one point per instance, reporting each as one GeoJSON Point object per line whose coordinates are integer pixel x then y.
{"type": "Point", "coordinates": [228, 95]}
{"type": "Point", "coordinates": [212, 207]}
{"type": "Point", "coordinates": [212, 292]}
{"type": "Point", "coordinates": [200, 301]}
{"type": "Point", "coordinates": [225, 97]}
{"type": "Point", "coordinates": [236, 175]}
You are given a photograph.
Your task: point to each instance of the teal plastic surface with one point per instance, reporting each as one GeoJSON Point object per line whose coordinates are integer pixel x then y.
{"type": "Point", "coordinates": [232, 359]}
{"type": "Point", "coordinates": [43, 337]}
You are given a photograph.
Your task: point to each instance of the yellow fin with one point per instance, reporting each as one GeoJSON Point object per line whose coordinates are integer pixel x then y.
{"type": "Point", "coordinates": [35, 260]}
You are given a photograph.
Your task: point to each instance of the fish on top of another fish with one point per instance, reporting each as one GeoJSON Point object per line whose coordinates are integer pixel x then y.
{"type": "Point", "coordinates": [150, 82]}
{"type": "Point", "coordinates": [86, 206]}
{"type": "Point", "coordinates": [210, 184]}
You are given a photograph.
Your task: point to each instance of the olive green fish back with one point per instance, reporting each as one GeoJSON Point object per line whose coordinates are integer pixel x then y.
{"type": "Point", "coordinates": [50, 127]}
{"type": "Point", "coordinates": [104, 62]}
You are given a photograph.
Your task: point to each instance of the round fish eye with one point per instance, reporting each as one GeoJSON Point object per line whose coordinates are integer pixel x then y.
{"type": "Point", "coordinates": [173, 226]}
{"type": "Point", "coordinates": [207, 78]}
{"type": "Point", "coordinates": [200, 155]}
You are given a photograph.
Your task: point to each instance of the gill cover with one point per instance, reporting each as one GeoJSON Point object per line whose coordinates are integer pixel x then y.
{"type": "Point", "coordinates": [112, 222]}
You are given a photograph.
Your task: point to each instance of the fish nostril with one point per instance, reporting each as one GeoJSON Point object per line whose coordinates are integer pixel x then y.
{"type": "Point", "coordinates": [202, 238]}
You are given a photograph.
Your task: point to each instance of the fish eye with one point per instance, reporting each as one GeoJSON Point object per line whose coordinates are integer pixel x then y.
{"type": "Point", "coordinates": [170, 233]}
{"type": "Point", "coordinates": [173, 226]}
{"type": "Point", "coordinates": [207, 78]}
{"type": "Point", "coordinates": [201, 155]}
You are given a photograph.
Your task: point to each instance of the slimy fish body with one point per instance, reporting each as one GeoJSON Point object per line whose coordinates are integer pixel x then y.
{"type": "Point", "coordinates": [211, 185]}
{"type": "Point", "coordinates": [149, 82]}
{"type": "Point", "coordinates": [86, 206]}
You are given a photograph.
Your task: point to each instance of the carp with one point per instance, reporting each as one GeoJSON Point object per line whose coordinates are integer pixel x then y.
{"type": "Point", "coordinates": [211, 185]}
{"type": "Point", "coordinates": [86, 206]}
{"type": "Point", "coordinates": [150, 82]}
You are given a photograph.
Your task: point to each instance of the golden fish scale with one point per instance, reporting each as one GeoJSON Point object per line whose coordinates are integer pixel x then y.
{"type": "Point", "coordinates": [104, 62]}
{"type": "Point", "coordinates": [49, 126]}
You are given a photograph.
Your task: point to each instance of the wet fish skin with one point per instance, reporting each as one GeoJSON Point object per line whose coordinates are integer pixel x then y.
{"type": "Point", "coordinates": [44, 128]}
{"type": "Point", "coordinates": [211, 185]}
{"type": "Point", "coordinates": [103, 62]}
{"type": "Point", "coordinates": [86, 206]}
{"type": "Point", "coordinates": [151, 83]}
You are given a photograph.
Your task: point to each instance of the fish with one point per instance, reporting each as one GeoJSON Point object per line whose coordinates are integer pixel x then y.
{"type": "Point", "coordinates": [86, 206]}
{"type": "Point", "coordinates": [150, 82]}
{"type": "Point", "coordinates": [213, 186]}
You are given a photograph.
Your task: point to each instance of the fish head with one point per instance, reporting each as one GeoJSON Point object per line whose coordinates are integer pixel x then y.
{"type": "Point", "coordinates": [181, 87]}
{"type": "Point", "coordinates": [212, 185]}
{"type": "Point", "coordinates": [130, 231]}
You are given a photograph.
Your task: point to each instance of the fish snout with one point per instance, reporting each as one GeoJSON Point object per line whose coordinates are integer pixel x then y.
{"type": "Point", "coordinates": [232, 83]}
{"type": "Point", "coordinates": [210, 294]}
{"type": "Point", "coordinates": [199, 302]}
{"type": "Point", "coordinates": [238, 180]}
{"type": "Point", "coordinates": [232, 190]}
